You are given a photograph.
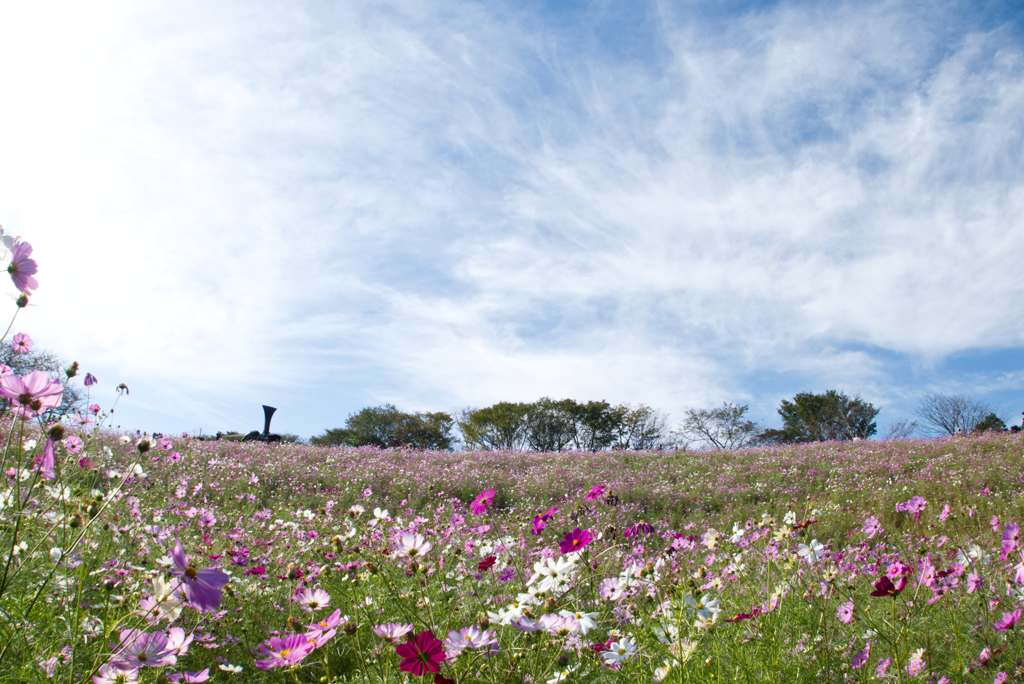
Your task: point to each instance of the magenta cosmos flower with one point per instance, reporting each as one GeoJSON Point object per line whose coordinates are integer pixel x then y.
{"type": "Point", "coordinates": [22, 268]}
{"type": "Point", "coordinates": [32, 394]}
{"type": "Point", "coordinates": [424, 653]}
{"type": "Point", "coordinates": [595, 493]}
{"type": "Point", "coordinates": [480, 503]}
{"type": "Point", "coordinates": [22, 343]}
{"type": "Point", "coordinates": [202, 587]}
{"type": "Point", "coordinates": [1008, 621]}
{"type": "Point", "coordinates": [291, 650]}
{"type": "Point", "coordinates": [575, 540]}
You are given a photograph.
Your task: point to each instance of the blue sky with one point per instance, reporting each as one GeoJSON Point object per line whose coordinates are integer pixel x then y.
{"type": "Point", "coordinates": [327, 206]}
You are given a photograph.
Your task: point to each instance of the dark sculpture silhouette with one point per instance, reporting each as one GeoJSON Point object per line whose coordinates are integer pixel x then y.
{"type": "Point", "coordinates": [265, 436]}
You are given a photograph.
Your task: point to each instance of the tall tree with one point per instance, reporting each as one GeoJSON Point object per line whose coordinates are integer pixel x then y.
{"type": "Point", "coordinates": [945, 414]}
{"type": "Point", "coordinates": [502, 426]}
{"type": "Point", "coordinates": [550, 425]}
{"type": "Point", "coordinates": [386, 426]}
{"type": "Point", "coordinates": [725, 427]}
{"type": "Point", "coordinates": [823, 417]}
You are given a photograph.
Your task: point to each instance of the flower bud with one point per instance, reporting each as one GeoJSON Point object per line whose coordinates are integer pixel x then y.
{"type": "Point", "coordinates": [72, 370]}
{"type": "Point", "coordinates": [350, 627]}
{"type": "Point", "coordinates": [22, 300]}
{"type": "Point", "coordinates": [371, 568]}
{"type": "Point", "coordinates": [294, 573]}
{"type": "Point", "coordinates": [57, 432]}
{"type": "Point", "coordinates": [142, 446]}
{"type": "Point", "coordinates": [93, 511]}
{"type": "Point", "coordinates": [482, 621]}
{"type": "Point", "coordinates": [295, 624]}
{"type": "Point", "coordinates": [76, 521]}
{"type": "Point", "coordinates": [562, 660]}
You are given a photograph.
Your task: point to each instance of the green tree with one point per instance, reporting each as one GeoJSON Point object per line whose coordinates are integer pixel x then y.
{"type": "Point", "coordinates": [502, 426]}
{"type": "Point", "coordinates": [637, 428]}
{"type": "Point", "coordinates": [991, 422]}
{"type": "Point", "coordinates": [550, 425]}
{"type": "Point", "coordinates": [595, 425]}
{"type": "Point", "coordinates": [823, 417]}
{"type": "Point", "coordinates": [386, 426]}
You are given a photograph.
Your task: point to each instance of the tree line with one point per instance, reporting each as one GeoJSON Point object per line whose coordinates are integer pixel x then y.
{"type": "Point", "coordinates": [557, 425]}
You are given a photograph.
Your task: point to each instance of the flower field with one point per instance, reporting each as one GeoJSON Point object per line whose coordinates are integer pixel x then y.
{"type": "Point", "coordinates": [212, 561]}
{"type": "Point", "coordinates": [179, 560]}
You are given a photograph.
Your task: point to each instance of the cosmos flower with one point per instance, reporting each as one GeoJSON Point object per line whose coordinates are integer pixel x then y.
{"type": "Point", "coordinates": [412, 544]}
{"type": "Point", "coordinates": [575, 541]}
{"type": "Point", "coordinates": [32, 394]}
{"type": "Point", "coordinates": [90, 380]}
{"type": "Point", "coordinates": [391, 632]}
{"type": "Point", "coordinates": [480, 503]}
{"type": "Point", "coordinates": [291, 650]}
{"type": "Point", "coordinates": [423, 654]}
{"type": "Point", "coordinates": [202, 587]}
{"type": "Point", "coordinates": [21, 343]}
{"type": "Point", "coordinates": [22, 268]}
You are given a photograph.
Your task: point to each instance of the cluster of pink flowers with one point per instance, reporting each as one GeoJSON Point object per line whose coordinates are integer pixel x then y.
{"type": "Point", "coordinates": [293, 649]}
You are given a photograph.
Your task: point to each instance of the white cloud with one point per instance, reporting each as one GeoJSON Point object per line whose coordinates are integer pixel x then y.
{"type": "Point", "coordinates": [451, 204]}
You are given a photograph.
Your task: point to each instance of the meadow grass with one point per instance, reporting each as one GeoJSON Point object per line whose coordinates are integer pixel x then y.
{"type": "Point", "coordinates": [673, 547]}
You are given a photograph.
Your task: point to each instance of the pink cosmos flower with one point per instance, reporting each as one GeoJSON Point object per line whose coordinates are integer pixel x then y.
{"type": "Point", "coordinates": [845, 613]}
{"type": "Point", "coordinates": [32, 394]}
{"type": "Point", "coordinates": [915, 505]}
{"type": "Point", "coordinates": [1010, 537]}
{"type": "Point", "coordinates": [110, 674]}
{"type": "Point", "coordinates": [995, 523]}
{"type": "Point", "coordinates": [973, 582]}
{"type": "Point", "coordinates": [916, 666]}
{"type": "Point", "coordinates": [314, 599]}
{"type": "Point", "coordinates": [48, 465]}
{"type": "Point", "coordinates": [423, 654]}
{"type": "Point", "coordinates": [202, 587]}
{"type": "Point", "coordinates": [330, 623]}
{"type": "Point", "coordinates": [22, 268]}
{"type": "Point", "coordinates": [22, 343]}
{"type": "Point", "coordinates": [860, 657]}
{"type": "Point", "coordinates": [391, 632]}
{"type": "Point", "coordinates": [291, 650]}
{"type": "Point", "coordinates": [94, 409]}
{"type": "Point", "coordinates": [871, 527]}
{"type": "Point", "coordinates": [90, 380]}
{"type": "Point", "coordinates": [480, 503]}
{"type": "Point", "coordinates": [190, 677]}
{"type": "Point", "coordinates": [944, 514]}
{"type": "Point", "coordinates": [138, 649]}
{"type": "Point", "coordinates": [541, 521]}
{"type": "Point", "coordinates": [883, 665]}
{"type": "Point", "coordinates": [1008, 621]}
{"type": "Point", "coordinates": [73, 444]}
{"type": "Point", "coordinates": [595, 493]}
{"type": "Point", "coordinates": [575, 540]}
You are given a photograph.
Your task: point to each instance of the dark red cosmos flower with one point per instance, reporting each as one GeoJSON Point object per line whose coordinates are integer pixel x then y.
{"type": "Point", "coordinates": [424, 653]}
{"type": "Point", "coordinates": [486, 564]}
{"type": "Point", "coordinates": [441, 679]}
{"type": "Point", "coordinates": [804, 524]}
{"type": "Point", "coordinates": [885, 587]}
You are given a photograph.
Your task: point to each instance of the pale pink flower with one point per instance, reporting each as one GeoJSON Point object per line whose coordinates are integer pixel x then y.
{"type": "Point", "coordinates": [22, 343]}
{"type": "Point", "coordinates": [412, 544]}
{"type": "Point", "coordinates": [845, 613]}
{"type": "Point", "coordinates": [22, 268]}
{"type": "Point", "coordinates": [32, 394]}
{"type": "Point", "coordinates": [314, 599]}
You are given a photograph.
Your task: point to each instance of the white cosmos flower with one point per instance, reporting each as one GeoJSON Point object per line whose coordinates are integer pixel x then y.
{"type": "Point", "coordinates": [412, 544]}
{"type": "Point", "coordinates": [586, 620]}
{"type": "Point", "coordinates": [811, 552]}
{"type": "Point", "coordinates": [619, 651]}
